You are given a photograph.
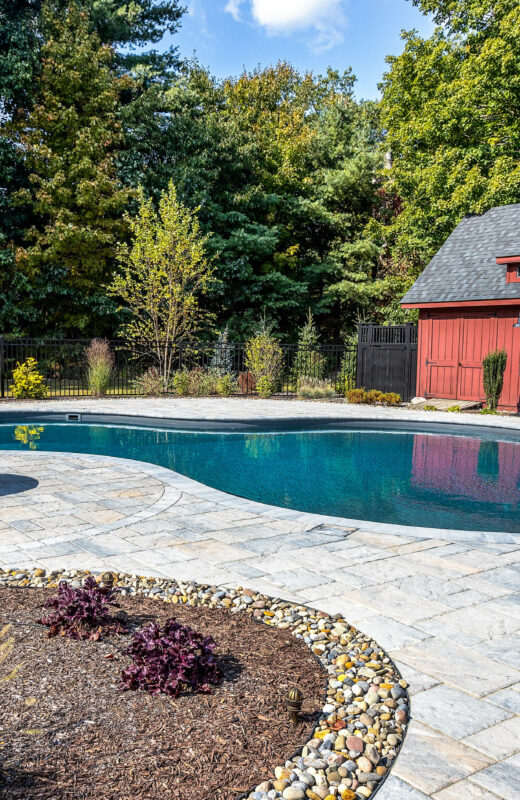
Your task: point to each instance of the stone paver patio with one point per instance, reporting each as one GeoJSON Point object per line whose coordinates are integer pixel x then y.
{"type": "Point", "coordinates": [447, 611]}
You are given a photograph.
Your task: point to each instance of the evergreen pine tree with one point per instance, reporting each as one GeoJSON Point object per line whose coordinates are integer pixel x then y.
{"type": "Point", "coordinates": [69, 140]}
{"type": "Point", "coordinates": [309, 362]}
{"type": "Point", "coordinates": [222, 359]}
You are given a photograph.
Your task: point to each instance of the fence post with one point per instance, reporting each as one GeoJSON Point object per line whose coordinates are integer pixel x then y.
{"type": "Point", "coordinates": [409, 362]}
{"type": "Point", "coordinates": [2, 362]}
{"type": "Point", "coordinates": [359, 356]}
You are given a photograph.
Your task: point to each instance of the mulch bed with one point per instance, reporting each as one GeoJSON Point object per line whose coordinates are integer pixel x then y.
{"type": "Point", "coordinates": [67, 731]}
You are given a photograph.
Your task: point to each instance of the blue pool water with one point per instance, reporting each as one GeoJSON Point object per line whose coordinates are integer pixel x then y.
{"type": "Point", "coordinates": [405, 478]}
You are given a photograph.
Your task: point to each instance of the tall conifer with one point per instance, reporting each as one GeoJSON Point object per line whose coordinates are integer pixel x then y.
{"type": "Point", "coordinates": [69, 140]}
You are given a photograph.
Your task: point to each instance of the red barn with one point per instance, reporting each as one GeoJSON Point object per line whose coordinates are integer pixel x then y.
{"type": "Point", "coordinates": [469, 304]}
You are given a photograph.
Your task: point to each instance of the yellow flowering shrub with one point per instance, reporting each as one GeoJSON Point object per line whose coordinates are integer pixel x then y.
{"type": "Point", "coordinates": [28, 382]}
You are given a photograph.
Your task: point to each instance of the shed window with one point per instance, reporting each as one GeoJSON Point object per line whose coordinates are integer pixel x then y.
{"type": "Point", "coordinates": [518, 271]}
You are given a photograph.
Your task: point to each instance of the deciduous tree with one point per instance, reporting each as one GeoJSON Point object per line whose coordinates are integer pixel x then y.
{"type": "Point", "coordinates": [451, 110]}
{"type": "Point", "coordinates": [163, 275]}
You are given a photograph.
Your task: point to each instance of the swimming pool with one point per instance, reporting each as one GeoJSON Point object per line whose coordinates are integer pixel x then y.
{"type": "Point", "coordinates": [418, 478]}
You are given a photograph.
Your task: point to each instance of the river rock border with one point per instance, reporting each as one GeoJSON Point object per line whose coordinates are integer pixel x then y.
{"type": "Point", "coordinates": [363, 721]}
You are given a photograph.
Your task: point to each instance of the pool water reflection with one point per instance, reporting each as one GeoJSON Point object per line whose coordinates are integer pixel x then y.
{"type": "Point", "coordinates": [461, 482]}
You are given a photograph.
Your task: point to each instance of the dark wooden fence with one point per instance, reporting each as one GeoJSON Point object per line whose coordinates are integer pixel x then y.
{"type": "Point", "coordinates": [387, 358]}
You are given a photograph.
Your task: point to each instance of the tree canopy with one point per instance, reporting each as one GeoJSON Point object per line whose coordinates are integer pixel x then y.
{"type": "Point", "coordinates": [307, 198]}
{"type": "Point", "coordinates": [451, 114]}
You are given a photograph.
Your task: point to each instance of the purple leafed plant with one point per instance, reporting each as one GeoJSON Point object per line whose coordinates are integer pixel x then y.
{"type": "Point", "coordinates": [170, 660]}
{"type": "Point", "coordinates": [82, 613]}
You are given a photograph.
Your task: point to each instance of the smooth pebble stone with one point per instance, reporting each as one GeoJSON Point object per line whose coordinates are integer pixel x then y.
{"type": "Point", "coordinates": [316, 763]}
{"type": "Point", "coordinates": [282, 773]}
{"type": "Point", "coordinates": [322, 791]}
{"type": "Point", "coordinates": [355, 743]}
{"type": "Point", "coordinates": [368, 777]}
{"type": "Point", "coordinates": [307, 778]}
{"type": "Point", "coordinates": [334, 777]}
{"type": "Point", "coordinates": [364, 764]}
{"type": "Point", "coordinates": [293, 793]}
{"type": "Point", "coordinates": [372, 753]}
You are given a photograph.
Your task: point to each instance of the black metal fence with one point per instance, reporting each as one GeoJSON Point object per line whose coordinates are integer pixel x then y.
{"type": "Point", "coordinates": [387, 358]}
{"type": "Point", "coordinates": [63, 363]}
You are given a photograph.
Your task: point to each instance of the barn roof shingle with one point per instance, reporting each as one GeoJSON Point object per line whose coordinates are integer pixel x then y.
{"type": "Point", "coordinates": [465, 267]}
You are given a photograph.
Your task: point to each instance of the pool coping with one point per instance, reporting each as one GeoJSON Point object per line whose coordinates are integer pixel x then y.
{"type": "Point", "coordinates": [183, 483]}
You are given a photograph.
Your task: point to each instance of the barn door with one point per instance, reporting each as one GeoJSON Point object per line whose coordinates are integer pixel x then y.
{"type": "Point", "coordinates": [442, 363]}
{"type": "Point", "coordinates": [478, 338]}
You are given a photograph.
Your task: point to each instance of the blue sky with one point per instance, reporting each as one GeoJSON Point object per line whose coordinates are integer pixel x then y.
{"type": "Point", "coordinates": [228, 35]}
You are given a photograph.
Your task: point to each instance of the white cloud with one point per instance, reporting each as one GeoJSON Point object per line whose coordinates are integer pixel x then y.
{"type": "Point", "coordinates": [325, 17]}
{"type": "Point", "coordinates": [233, 8]}
{"type": "Point", "coordinates": [197, 12]}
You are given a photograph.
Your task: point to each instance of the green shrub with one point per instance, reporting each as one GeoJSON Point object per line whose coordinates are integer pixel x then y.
{"type": "Point", "coordinates": [28, 383]}
{"type": "Point", "coordinates": [197, 382]}
{"type": "Point", "coordinates": [100, 361]}
{"type": "Point", "coordinates": [488, 411]}
{"type": "Point", "coordinates": [315, 389]}
{"type": "Point", "coordinates": [429, 408]}
{"type": "Point", "coordinates": [180, 383]}
{"type": "Point", "coordinates": [226, 385]}
{"type": "Point", "coordinates": [265, 387]}
{"type": "Point", "coordinates": [455, 409]}
{"type": "Point", "coordinates": [493, 367]}
{"type": "Point", "coordinates": [150, 382]}
{"type": "Point", "coordinates": [202, 383]}
{"type": "Point", "coordinates": [264, 358]}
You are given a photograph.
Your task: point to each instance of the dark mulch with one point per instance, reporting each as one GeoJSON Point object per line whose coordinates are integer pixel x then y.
{"type": "Point", "coordinates": [67, 731]}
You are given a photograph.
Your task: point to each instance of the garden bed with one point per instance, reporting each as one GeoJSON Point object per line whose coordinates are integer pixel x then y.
{"type": "Point", "coordinates": [68, 731]}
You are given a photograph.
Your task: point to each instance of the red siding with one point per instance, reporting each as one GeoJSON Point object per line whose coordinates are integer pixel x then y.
{"type": "Point", "coordinates": [513, 273]}
{"type": "Point", "coordinates": [452, 344]}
